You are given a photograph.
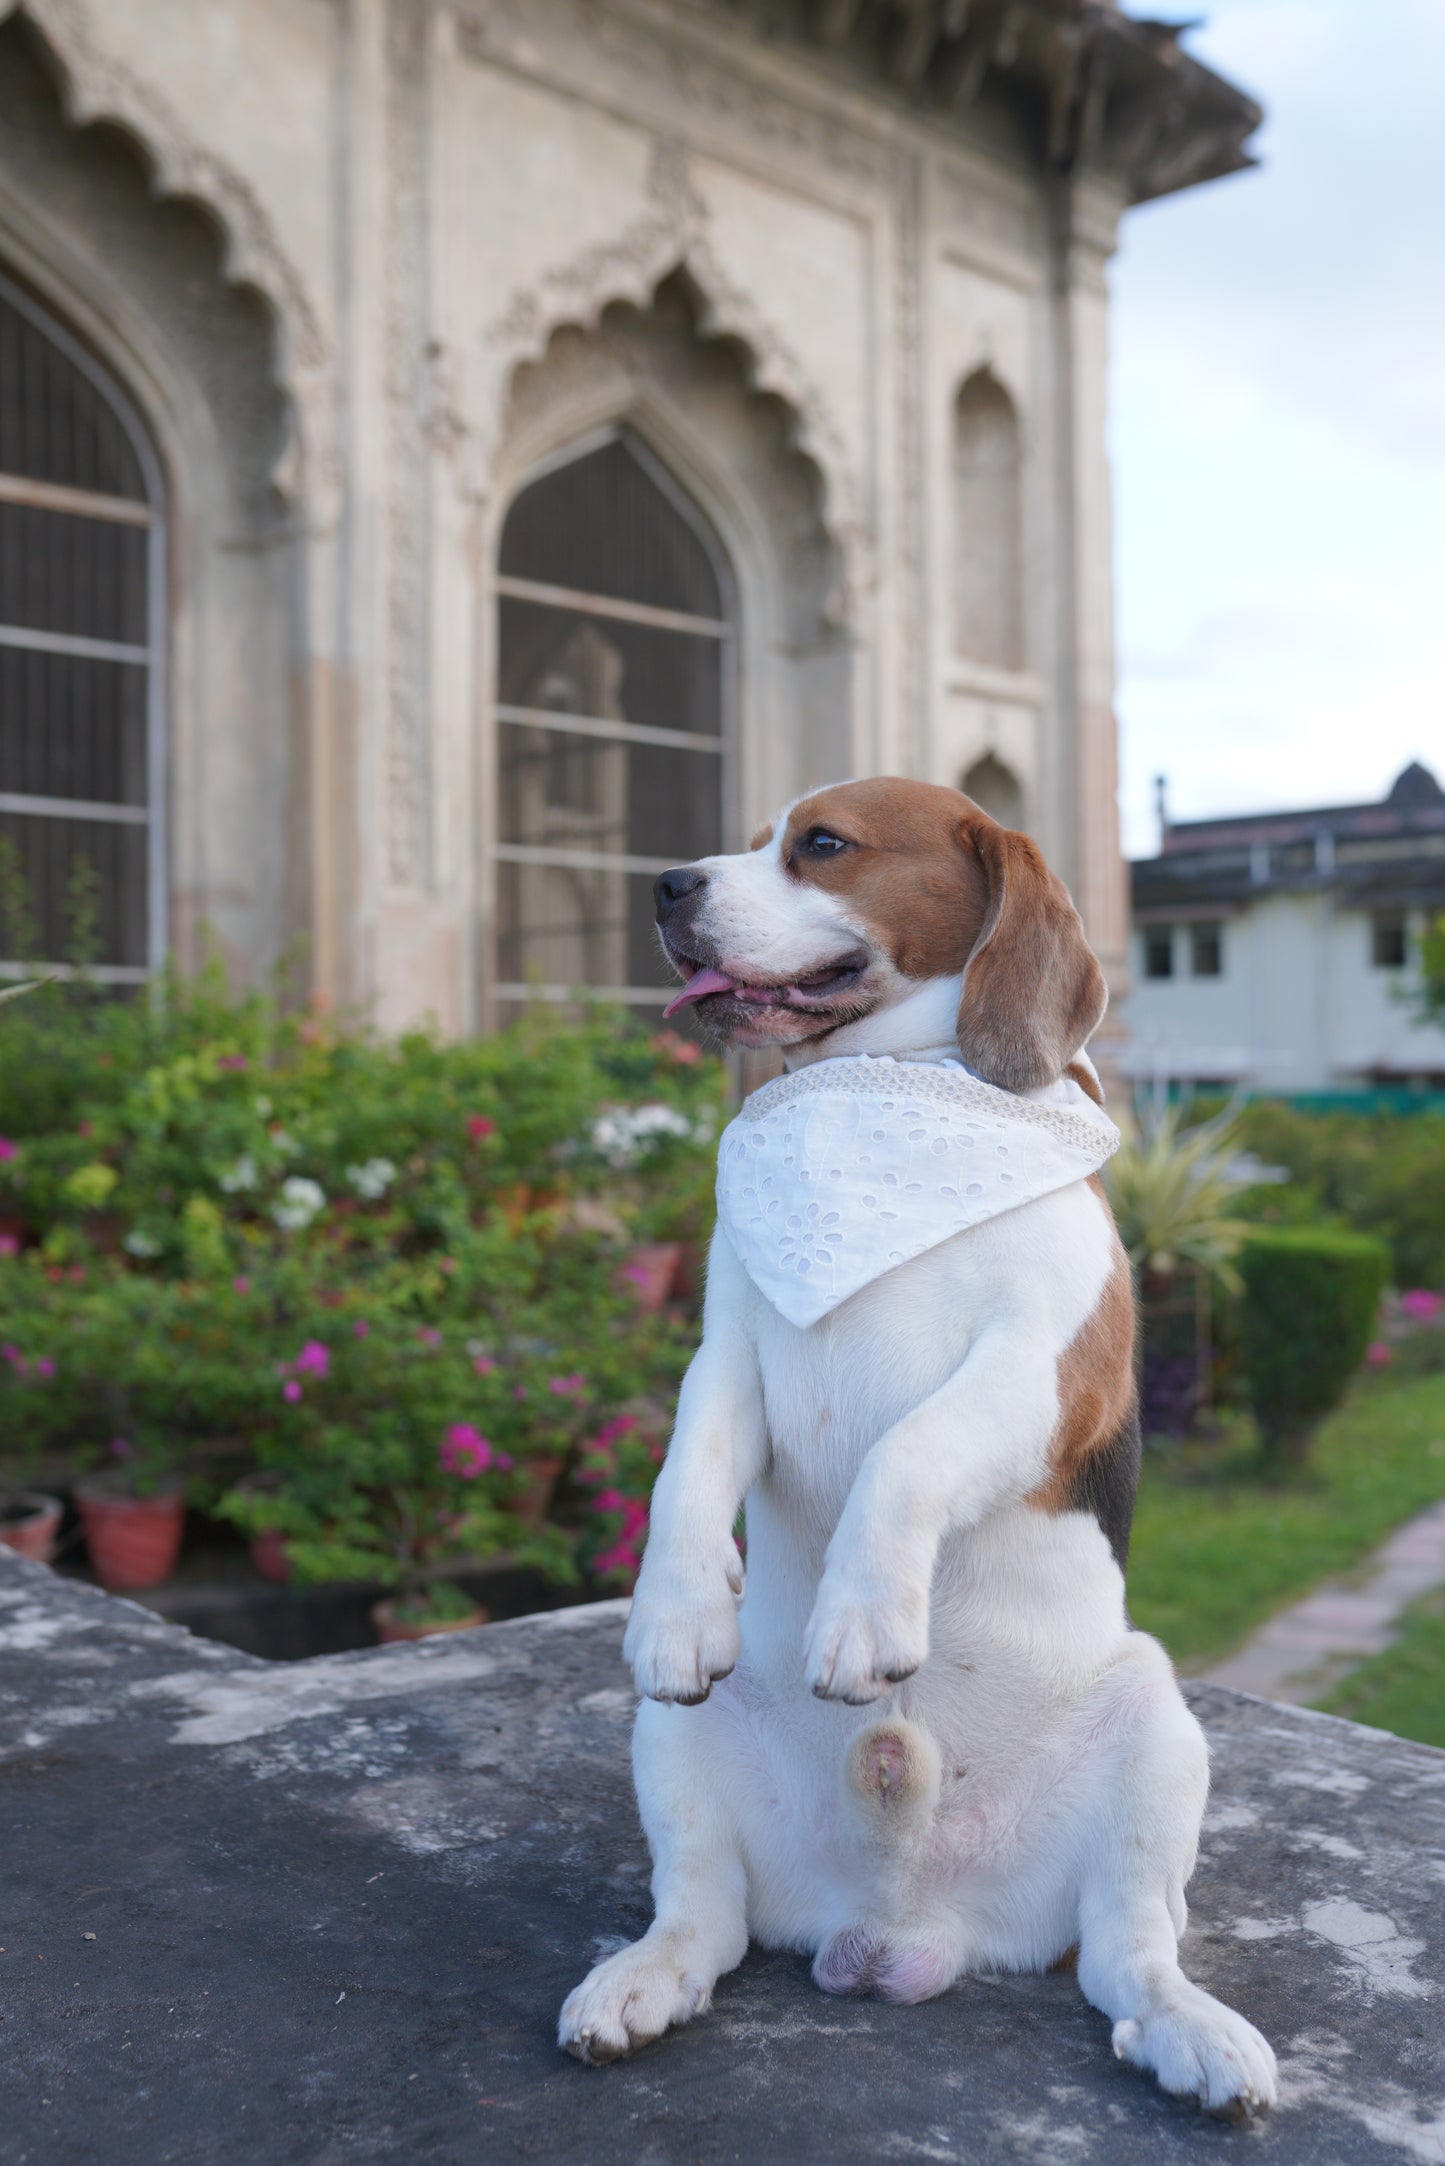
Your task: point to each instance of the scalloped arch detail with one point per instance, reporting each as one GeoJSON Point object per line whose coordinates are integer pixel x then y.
{"type": "Point", "coordinates": [670, 237]}
{"type": "Point", "coordinates": [96, 86]}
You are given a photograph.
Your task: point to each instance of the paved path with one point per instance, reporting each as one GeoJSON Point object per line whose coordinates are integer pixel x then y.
{"type": "Point", "coordinates": [1307, 1648]}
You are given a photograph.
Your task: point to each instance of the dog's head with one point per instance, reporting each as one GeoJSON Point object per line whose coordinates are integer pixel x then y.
{"type": "Point", "coordinates": [884, 916]}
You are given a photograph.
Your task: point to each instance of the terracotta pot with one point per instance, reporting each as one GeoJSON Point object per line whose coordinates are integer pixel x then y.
{"type": "Point", "coordinates": [390, 1627]}
{"type": "Point", "coordinates": [133, 1541]}
{"type": "Point", "coordinates": [651, 1272]}
{"type": "Point", "coordinates": [533, 1499]}
{"type": "Point", "coordinates": [270, 1556]}
{"type": "Point", "coordinates": [29, 1523]}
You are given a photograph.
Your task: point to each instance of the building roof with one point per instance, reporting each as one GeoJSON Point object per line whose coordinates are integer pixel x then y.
{"type": "Point", "coordinates": [1383, 855]}
{"type": "Point", "coordinates": [1100, 91]}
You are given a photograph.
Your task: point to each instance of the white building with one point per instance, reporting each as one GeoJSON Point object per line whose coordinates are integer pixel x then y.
{"type": "Point", "coordinates": [1280, 951]}
{"type": "Point", "coordinates": [458, 457]}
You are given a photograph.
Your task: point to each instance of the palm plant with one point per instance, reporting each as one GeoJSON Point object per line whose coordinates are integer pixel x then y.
{"type": "Point", "coordinates": [1170, 1188]}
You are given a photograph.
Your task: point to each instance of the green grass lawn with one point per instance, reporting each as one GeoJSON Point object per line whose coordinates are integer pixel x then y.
{"type": "Point", "coordinates": [1404, 1688]}
{"type": "Point", "coordinates": [1215, 1551]}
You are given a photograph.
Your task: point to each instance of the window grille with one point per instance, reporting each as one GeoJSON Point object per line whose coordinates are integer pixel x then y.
{"type": "Point", "coordinates": [614, 722]}
{"type": "Point", "coordinates": [81, 645]}
{"type": "Point", "coordinates": [1207, 950]}
{"type": "Point", "coordinates": [1159, 951]}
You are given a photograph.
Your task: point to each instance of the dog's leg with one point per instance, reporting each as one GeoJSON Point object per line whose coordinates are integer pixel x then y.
{"type": "Point", "coordinates": [683, 1632]}
{"type": "Point", "coordinates": [1137, 1857]}
{"type": "Point", "coordinates": [699, 1888]}
{"type": "Point", "coordinates": [978, 1442]}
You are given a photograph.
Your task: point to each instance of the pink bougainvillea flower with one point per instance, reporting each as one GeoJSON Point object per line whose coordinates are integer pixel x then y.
{"type": "Point", "coordinates": [240, 1286]}
{"type": "Point", "coordinates": [505, 1461]}
{"type": "Point", "coordinates": [619, 1426]}
{"type": "Point", "coordinates": [7, 1148]}
{"type": "Point", "coordinates": [45, 1367]}
{"type": "Point", "coordinates": [447, 1264]}
{"type": "Point", "coordinates": [429, 1335]}
{"type": "Point", "coordinates": [1421, 1306]}
{"type": "Point", "coordinates": [675, 1048]}
{"type": "Point", "coordinates": [234, 1061]}
{"type": "Point", "coordinates": [291, 1390]}
{"type": "Point", "coordinates": [77, 1274]}
{"type": "Point", "coordinates": [479, 1125]}
{"type": "Point", "coordinates": [314, 1359]}
{"type": "Point", "coordinates": [11, 1353]}
{"type": "Point", "coordinates": [119, 1447]}
{"type": "Point", "coordinates": [465, 1451]}
{"type": "Point", "coordinates": [519, 1391]}
{"type": "Point", "coordinates": [9, 1246]}
{"type": "Point", "coordinates": [483, 1364]}
{"type": "Point", "coordinates": [361, 1327]}
{"type": "Point", "coordinates": [567, 1387]}
{"type": "Point", "coordinates": [1379, 1356]}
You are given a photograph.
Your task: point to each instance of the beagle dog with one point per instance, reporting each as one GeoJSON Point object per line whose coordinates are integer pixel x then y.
{"type": "Point", "coordinates": [927, 1740]}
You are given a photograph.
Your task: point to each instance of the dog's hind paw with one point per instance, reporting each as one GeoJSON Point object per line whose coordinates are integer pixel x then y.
{"type": "Point", "coordinates": [630, 1999]}
{"type": "Point", "coordinates": [1200, 2049]}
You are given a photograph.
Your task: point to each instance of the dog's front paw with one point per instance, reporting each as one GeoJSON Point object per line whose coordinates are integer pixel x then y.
{"type": "Point", "coordinates": [1200, 2049]}
{"type": "Point", "coordinates": [859, 1645]}
{"type": "Point", "coordinates": [682, 1635]}
{"type": "Point", "coordinates": [630, 1999]}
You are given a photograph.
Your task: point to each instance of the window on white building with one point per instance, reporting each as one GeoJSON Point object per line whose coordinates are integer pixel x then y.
{"type": "Point", "coordinates": [988, 616]}
{"type": "Point", "coordinates": [614, 720]}
{"type": "Point", "coordinates": [1387, 940]}
{"type": "Point", "coordinates": [1206, 950]}
{"type": "Point", "coordinates": [1159, 951]}
{"type": "Point", "coordinates": [82, 627]}
{"type": "Point", "coordinates": [996, 789]}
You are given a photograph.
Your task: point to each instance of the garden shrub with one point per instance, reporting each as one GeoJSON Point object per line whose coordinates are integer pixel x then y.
{"type": "Point", "coordinates": [371, 1295]}
{"type": "Point", "coordinates": [1380, 1173]}
{"type": "Point", "coordinates": [1307, 1313]}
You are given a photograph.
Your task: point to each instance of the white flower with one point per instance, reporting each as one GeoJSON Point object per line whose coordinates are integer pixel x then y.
{"type": "Point", "coordinates": [141, 1244]}
{"type": "Point", "coordinates": [298, 1203]}
{"type": "Point", "coordinates": [263, 1108]}
{"type": "Point", "coordinates": [372, 1178]}
{"type": "Point", "coordinates": [623, 1134]}
{"type": "Point", "coordinates": [284, 1143]}
{"type": "Point", "coordinates": [242, 1175]}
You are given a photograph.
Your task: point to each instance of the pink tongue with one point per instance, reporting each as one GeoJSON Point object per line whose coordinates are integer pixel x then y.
{"type": "Point", "coordinates": [698, 986]}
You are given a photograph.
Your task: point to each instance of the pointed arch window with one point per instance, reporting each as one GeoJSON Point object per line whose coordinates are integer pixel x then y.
{"type": "Point", "coordinates": [988, 624]}
{"type": "Point", "coordinates": [82, 631]}
{"type": "Point", "coordinates": [616, 632]}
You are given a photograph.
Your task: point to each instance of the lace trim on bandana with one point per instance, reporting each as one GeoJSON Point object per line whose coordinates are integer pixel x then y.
{"type": "Point", "coordinates": [871, 1075]}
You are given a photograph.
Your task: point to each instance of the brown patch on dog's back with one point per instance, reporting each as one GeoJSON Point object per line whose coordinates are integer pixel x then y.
{"type": "Point", "coordinates": [1095, 1450]}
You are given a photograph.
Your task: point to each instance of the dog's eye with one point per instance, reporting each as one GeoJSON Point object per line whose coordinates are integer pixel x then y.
{"type": "Point", "coordinates": [818, 842]}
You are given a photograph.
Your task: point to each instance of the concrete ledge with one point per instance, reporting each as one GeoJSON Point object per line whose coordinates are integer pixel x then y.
{"type": "Point", "coordinates": [326, 1913]}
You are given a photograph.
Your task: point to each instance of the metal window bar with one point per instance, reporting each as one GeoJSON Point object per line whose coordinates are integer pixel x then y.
{"type": "Point", "coordinates": [628, 733]}
{"type": "Point", "coordinates": [61, 498]}
{"type": "Point", "coordinates": [604, 605]}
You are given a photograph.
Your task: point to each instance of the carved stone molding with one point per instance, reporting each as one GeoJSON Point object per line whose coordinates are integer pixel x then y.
{"type": "Point", "coordinates": [671, 234]}
{"type": "Point", "coordinates": [96, 85]}
{"type": "Point", "coordinates": [406, 749]}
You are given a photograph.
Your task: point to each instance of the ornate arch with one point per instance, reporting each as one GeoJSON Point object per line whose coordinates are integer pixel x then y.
{"type": "Point", "coordinates": [669, 236]}
{"type": "Point", "coordinates": [95, 86]}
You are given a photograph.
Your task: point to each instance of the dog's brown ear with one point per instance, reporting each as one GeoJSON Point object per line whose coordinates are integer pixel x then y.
{"type": "Point", "coordinates": [1033, 992]}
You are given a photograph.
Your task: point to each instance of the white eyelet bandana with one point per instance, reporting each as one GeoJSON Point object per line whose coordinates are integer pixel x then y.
{"type": "Point", "coordinates": [831, 1177]}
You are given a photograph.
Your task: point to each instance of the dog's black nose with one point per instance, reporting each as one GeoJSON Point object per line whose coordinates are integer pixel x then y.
{"type": "Point", "coordinates": [669, 889]}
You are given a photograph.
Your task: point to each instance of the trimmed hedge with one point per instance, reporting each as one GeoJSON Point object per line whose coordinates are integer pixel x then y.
{"type": "Point", "coordinates": [1311, 1296]}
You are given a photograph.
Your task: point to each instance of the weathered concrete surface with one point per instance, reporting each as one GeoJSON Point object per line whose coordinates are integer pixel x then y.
{"type": "Point", "coordinates": [325, 1913]}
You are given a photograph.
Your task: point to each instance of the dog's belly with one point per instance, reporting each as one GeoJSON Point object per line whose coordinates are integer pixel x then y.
{"type": "Point", "coordinates": [1030, 1662]}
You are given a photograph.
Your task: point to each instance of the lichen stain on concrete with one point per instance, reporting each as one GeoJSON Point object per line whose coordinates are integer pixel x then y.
{"type": "Point", "coordinates": [611, 1700]}
{"type": "Point", "coordinates": [1264, 1928]}
{"type": "Point", "coordinates": [1373, 1943]}
{"type": "Point", "coordinates": [248, 1703]}
{"type": "Point", "coordinates": [1317, 2071]}
{"type": "Point", "coordinates": [1333, 1846]}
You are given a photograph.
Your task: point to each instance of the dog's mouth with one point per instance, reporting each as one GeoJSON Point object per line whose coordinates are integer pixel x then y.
{"type": "Point", "coordinates": [812, 993]}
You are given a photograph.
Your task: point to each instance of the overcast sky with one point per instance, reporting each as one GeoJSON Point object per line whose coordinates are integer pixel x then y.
{"type": "Point", "coordinates": [1278, 428]}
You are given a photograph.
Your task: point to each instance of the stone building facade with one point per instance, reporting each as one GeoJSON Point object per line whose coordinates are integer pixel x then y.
{"type": "Point", "coordinates": [457, 456]}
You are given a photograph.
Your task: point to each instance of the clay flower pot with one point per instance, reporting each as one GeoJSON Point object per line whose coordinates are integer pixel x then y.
{"type": "Point", "coordinates": [270, 1556]}
{"type": "Point", "coordinates": [533, 1499]}
{"type": "Point", "coordinates": [651, 1272]}
{"type": "Point", "coordinates": [390, 1627]}
{"type": "Point", "coordinates": [133, 1541]}
{"type": "Point", "coordinates": [29, 1523]}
